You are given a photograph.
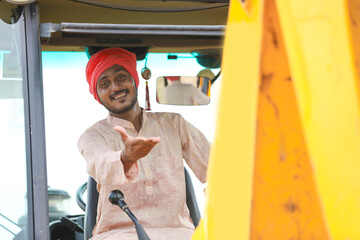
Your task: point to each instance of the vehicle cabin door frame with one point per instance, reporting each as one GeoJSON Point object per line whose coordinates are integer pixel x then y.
{"type": "Point", "coordinates": [37, 189]}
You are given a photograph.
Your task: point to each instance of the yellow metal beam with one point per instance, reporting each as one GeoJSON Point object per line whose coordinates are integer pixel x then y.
{"type": "Point", "coordinates": [286, 158]}
{"type": "Point", "coordinates": [319, 44]}
{"type": "Point", "coordinates": [230, 173]}
{"type": "Point", "coordinates": [285, 198]}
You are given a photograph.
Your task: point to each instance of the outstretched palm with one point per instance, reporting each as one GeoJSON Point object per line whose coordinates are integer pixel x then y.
{"type": "Point", "coordinates": [136, 147]}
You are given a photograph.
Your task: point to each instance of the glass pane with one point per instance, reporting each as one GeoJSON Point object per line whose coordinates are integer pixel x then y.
{"type": "Point", "coordinates": [13, 187]}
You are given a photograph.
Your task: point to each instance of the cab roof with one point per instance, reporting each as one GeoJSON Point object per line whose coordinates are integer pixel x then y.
{"type": "Point", "coordinates": [158, 26]}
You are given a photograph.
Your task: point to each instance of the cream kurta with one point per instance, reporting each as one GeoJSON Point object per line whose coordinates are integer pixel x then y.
{"type": "Point", "coordinates": [154, 189]}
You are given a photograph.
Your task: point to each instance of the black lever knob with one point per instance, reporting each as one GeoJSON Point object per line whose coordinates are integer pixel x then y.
{"type": "Point", "coordinates": [116, 197]}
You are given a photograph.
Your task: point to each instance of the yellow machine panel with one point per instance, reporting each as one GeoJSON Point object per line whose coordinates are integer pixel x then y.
{"type": "Point", "coordinates": [286, 158]}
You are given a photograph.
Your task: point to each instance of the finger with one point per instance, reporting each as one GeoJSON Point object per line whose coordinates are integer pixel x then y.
{"type": "Point", "coordinates": [122, 132]}
{"type": "Point", "coordinates": [155, 139]}
{"type": "Point", "coordinates": [147, 140]}
{"type": "Point", "coordinates": [148, 143]}
{"type": "Point", "coordinates": [152, 140]}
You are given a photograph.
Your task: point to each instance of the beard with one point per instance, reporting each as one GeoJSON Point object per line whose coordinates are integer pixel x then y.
{"type": "Point", "coordinates": [125, 109]}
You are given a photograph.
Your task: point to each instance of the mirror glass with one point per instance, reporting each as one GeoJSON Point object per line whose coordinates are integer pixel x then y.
{"type": "Point", "coordinates": [182, 90]}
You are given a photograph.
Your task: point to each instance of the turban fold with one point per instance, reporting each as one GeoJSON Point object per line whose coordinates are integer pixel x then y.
{"type": "Point", "coordinates": [105, 59]}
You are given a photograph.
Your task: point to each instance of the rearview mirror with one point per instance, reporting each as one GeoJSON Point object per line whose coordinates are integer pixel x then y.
{"type": "Point", "coordinates": [180, 90]}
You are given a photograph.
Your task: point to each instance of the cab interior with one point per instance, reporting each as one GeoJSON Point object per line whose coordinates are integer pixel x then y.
{"type": "Point", "coordinates": [174, 29]}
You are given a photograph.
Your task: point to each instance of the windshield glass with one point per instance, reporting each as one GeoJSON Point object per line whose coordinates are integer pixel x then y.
{"type": "Point", "coordinates": [70, 109]}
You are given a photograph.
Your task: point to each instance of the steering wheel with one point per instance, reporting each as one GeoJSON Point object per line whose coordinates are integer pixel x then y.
{"type": "Point", "coordinates": [79, 196]}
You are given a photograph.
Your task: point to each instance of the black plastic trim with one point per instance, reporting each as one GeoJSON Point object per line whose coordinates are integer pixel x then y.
{"type": "Point", "coordinates": [35, 127]}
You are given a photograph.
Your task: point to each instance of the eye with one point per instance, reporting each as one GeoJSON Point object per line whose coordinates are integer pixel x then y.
{"type": "Point", "coordinates": [104, 84]}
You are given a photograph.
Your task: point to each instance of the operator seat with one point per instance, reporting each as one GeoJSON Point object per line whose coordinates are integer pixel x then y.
{"type": "Point", "coordinates": [92, 202]}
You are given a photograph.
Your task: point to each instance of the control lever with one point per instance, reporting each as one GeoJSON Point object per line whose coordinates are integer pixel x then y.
{"type": "Point", "coordinates": [116, 197]}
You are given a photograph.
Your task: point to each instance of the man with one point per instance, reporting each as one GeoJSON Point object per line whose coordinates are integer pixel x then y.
{"type": "Point", "coordinates": [121, 152]}
{"type": "Point", "coordinates": [179, 93]}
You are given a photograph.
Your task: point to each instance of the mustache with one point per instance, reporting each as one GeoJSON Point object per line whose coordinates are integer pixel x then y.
{"type": "Point", "coordinates": [117, 92]}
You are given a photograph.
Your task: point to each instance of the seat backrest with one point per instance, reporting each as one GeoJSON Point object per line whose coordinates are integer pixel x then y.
{"type": "Point", "coordinates": [93, 195]}
{"type": "Point", "coordinates": [191, 200]}
{"type": "Point", "coordinates": [91, 208]}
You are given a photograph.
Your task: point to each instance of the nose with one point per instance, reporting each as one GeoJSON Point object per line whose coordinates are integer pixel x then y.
{"type": "Point", "coordinates": [115, 85]}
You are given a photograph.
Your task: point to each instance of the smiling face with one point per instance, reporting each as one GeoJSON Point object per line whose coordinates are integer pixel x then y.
{"type": "Point", "coordinates": [116, 90]}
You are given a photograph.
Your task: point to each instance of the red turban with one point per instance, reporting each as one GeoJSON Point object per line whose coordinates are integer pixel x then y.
{"type": "Point", "coordinates": [105, 59]}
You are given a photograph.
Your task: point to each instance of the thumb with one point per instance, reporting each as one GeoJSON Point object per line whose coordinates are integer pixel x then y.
{"type": "Point", "coordinates": [122, 132]}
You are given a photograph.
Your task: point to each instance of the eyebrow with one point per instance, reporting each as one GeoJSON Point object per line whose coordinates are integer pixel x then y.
{"type": "Point", "coordinates": [116, 71]}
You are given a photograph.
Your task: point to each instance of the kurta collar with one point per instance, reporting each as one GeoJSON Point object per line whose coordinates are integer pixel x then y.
{"type": "Point", "coordinates": [114, 121]}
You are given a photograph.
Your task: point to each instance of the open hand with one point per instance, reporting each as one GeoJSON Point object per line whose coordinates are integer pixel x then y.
{"type": "Point", "coordinates": [135, 147]}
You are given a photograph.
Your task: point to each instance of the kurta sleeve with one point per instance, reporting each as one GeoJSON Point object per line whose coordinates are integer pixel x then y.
{"type": "Point", "coordinates": [195, 148]}
{"type": "Point", "coordinates": [102, 161]}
